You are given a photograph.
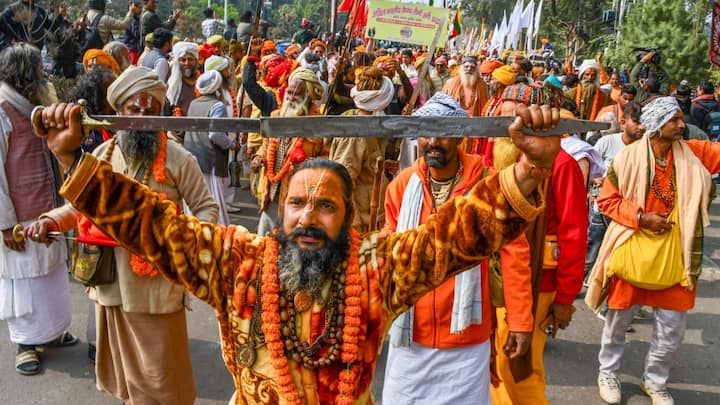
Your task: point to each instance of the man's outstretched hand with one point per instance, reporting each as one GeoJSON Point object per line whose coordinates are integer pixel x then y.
{"type": "Point", "coordinates": [60, 124]}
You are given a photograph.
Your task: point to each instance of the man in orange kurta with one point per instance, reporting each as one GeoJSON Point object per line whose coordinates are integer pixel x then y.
{"type": "Point", "coordinates": [432, 337]}
{"type": "Point", "coordinates": [468, 88]}
{"type": "Point", "coordinates": [654, 186]}
{"type": "Point", "coordinates": [283, 341]}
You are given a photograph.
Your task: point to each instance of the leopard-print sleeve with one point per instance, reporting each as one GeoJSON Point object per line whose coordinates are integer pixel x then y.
{"type": "Point", "coordinates": [460, 235]}
{"type": "Point", "coordinates": [200, 256]}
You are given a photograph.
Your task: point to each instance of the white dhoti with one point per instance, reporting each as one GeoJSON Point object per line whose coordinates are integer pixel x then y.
{"type": "Point", "coordinates": [418, 375]}
{"type": "Point", "coordinates": [220, 190]}
{"type": "Point", "coordinates": [37, 309]}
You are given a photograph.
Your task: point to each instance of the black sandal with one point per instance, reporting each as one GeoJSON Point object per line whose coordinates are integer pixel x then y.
{"type": "Point", "coordinates": [27, 361]}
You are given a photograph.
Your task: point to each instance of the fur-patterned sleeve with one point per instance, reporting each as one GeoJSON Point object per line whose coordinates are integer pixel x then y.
{"type": "Point", "coordinates": [460, 235]}
{"type": "Point", "coordinates": [200, 256]}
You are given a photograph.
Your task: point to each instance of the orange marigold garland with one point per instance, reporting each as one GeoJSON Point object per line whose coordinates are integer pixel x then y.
{"type": "Point", "coordinates": [351, 328]}
{"type": "Point", "coordinates": [271, 155]}
{"type": "Point", "coordinates": [139, 266]}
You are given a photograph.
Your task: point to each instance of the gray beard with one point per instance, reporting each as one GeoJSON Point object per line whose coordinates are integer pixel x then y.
{"type": "Point", "coordinates": [294, 109]}
{"type": "Point", "coordinates": [188, 73]}
{"type": "Point", "coordinates": [468, 79]}
{"type": "Point", "coordinates": [306, 270]}
{"type": "Point", "coordinates": [140, 146]}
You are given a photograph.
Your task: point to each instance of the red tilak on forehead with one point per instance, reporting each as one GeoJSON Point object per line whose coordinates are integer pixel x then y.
{"type": "Point", "coordinates": [142, 100]}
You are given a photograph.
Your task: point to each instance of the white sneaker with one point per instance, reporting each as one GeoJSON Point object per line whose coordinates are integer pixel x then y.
{"type": "Point", "coordinates": [609, 387]}
{"type": "Point", "coordinates": [660, 397]}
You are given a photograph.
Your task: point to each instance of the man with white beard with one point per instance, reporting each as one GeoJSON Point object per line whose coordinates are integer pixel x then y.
{"type": "Point", "coordinates": [278, 155]}
{"type": "Point", "coordinates": [467, 89]}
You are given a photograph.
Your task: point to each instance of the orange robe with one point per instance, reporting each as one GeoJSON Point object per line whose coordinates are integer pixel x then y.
{"type": "Point", "coordinates": [221, 265]}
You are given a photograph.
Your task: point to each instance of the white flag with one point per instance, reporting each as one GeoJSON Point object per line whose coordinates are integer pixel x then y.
{"type": "Point", "coordinates": [526, 20]}
{"type": "Point", "coordinates": [536, 29]}
{"type": "Point", "coordinates": [514, 26]}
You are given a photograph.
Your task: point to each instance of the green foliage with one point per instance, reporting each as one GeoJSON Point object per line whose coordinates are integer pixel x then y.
{"type": "Point", "coordinates": [673, 26]}
{"type": "Point", "coordinates": [288, 16]}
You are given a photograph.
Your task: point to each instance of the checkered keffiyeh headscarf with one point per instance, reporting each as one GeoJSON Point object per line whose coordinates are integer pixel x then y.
{"type": "Point", "coordinates": [440, 105]}
{"type": "Point", "coordinates": [657, 113]}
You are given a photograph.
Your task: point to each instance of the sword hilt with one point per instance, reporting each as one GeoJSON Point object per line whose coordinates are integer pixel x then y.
{"type": "Point", "coordinates": [86, 121]}
{"type": "Point", "coordinates": [89, 122]}
{"type": "Point", "coordinates": [18, 233]}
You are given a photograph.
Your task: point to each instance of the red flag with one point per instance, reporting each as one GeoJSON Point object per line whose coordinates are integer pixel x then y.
{"type": "Point", "coordinates": [715, 36]}
{"type": "Point", "coordinates": [346, 6]}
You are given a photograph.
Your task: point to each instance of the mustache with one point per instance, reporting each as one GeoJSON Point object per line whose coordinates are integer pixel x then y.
{"type": "Point", "coordinates": [430, 149]}
{"type": "Point", "coordinates": [311, 232]}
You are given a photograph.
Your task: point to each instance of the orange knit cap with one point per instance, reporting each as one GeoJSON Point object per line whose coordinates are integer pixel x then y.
{"type": "Point", "coordinates": [101, 58]}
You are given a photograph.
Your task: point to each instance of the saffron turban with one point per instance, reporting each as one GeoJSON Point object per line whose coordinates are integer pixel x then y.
{"type": "Point", "coordinates": [317, 42]}
{"type": "Point", "coordinates": [489, 65]}
{"type": "Point", "coordinates": [183, 48]}
{"type": "Point", "coordinates": [315, 89]}
{"type": "Point", "coordinates": [440, 105]}
{"type": "Point", "coordinates": [657, 113]}
{"type": "Point", "coordinates": [374, 100]}
{"type": "Point", "coordinates": [419, 62]}
{"type": "Point", "coordinates": [101, 58]}
{"type": "Point", "coordinates": [218, 63]}
{"type": "Point", "coordinates": [209, 82]}
{"type": "Point", "coordinates": [380, 61]}
{"type": "Point", "coordinates": [268, 47]}
{"type": "Point", "coordinates": [292, 49]}
{"type": "Point", "coordinates": [133, 80]}
{"type": "Point", "coordinates": [505, 75]}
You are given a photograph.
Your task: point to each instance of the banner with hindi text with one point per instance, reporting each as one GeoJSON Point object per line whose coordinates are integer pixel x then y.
{"type": "Point", "coordinates": [715, 35]}
{"type": "Point", "coordinates": [403, 22]}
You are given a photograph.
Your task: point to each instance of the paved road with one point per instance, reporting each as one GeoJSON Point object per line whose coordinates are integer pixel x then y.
{"type": "Point", "coordinates": [571, 359]}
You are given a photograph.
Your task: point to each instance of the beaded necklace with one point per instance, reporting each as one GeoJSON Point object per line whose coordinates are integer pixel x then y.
{"type": "Point", "coordinates": [278, 320]}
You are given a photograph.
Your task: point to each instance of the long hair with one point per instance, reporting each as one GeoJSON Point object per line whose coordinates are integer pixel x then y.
{"type": "Point", "coordinates": [92, 87]}
{"type": "Point", "coordinates": [21, 68]}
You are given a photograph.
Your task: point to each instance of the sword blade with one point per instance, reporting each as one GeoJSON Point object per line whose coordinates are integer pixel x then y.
{"type": "Point", "coordinates": [161, 123]}
{"type": "Point", "coordinates": [398, 126]}
{"type": "Point", "coordinates": [382, 126]}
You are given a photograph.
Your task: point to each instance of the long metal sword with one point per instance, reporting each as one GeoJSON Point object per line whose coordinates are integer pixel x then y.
{"type": "Point", "coordinates": [383, 126]}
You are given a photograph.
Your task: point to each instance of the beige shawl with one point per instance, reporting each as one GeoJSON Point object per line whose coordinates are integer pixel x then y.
{"type": "Point", "coordinates": [693, 184]}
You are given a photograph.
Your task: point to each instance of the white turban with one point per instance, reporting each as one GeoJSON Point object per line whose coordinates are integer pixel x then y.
{"type": "Point", "coordinates": [657, 113]}
{"type": "Point", "coordinates": [133, 80]}
{"type": "Point", "coordinates": [174, 82]}
{"type": "Point", "coordinates": [183, 48]}
{"type": "Point", "coordinates": [440, 105]}
{"type": "Point", "coordinates": [218, 63]}
{"type": "Point", "coordinates": [590, 64]}
{"type": "Point", "coordinates": [374, 100]}
{"type": "Point", "coordinates": [209, 82]}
